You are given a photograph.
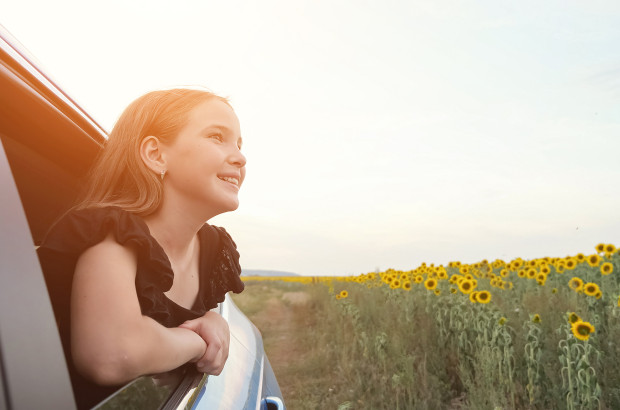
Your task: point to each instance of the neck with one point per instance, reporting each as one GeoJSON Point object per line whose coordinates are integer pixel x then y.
{"type": "Point", "coordinates": [175, 230]}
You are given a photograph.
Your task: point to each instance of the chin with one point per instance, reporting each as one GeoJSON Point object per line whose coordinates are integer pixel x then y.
{"type": "Point", "coordinates": [229, 206]}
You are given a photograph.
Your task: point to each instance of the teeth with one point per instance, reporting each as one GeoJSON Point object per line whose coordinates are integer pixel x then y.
{"type": "Point", "coordinates": [230, 179]}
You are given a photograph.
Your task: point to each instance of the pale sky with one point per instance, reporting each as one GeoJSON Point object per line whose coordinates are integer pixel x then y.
{"type": "Point", "coordinates": [378, 133]}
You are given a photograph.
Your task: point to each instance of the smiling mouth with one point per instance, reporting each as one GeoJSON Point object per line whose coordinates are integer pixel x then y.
{"type": "Point", "coordinates": [234, 181]}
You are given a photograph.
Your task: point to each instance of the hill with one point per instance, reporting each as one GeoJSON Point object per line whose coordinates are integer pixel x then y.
{"type": "Point", "coordinates": [263, 272]}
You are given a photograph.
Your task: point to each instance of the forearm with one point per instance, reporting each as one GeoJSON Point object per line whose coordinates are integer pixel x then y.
{"type": "Point", "coordinates": [146, 348]}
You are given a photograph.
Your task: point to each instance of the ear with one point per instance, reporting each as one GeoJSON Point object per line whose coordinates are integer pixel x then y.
{"type": "Point", "coordinates": [151, 152]}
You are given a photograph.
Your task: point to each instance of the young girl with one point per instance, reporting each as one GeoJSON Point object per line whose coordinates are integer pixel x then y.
{"type": "Point", "coordinates": [133, 270]}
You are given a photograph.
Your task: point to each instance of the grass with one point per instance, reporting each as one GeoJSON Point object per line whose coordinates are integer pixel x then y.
{"type": "Point", "coordinates": [390, 348]}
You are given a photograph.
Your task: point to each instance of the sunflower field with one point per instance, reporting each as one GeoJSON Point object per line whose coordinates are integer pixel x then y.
{"type": "Point", "coordinates": [521, 334]}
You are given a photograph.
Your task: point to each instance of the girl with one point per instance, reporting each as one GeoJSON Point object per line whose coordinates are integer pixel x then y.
{"type": "Point", "coordinates": [133, 270]}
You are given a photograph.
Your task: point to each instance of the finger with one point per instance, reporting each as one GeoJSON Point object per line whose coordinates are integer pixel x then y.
{"type": "Point", "coordinates": [213, 360]}
{"type": "Point", "coordinates": [215, 368]}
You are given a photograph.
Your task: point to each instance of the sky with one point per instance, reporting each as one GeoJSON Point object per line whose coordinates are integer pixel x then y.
{"type": "Point", "coordinates": [379, 134]}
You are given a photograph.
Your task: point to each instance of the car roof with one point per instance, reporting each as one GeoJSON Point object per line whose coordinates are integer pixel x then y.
{"type": "Point", "coordinates": [49, 140]}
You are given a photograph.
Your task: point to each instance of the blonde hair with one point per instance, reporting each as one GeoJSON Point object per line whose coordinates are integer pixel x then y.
{"type": "Point", "coordinates": [119, 177]}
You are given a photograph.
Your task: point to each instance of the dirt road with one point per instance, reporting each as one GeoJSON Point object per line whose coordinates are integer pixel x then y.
{"type": "Point", "coordinates": [276, 314]}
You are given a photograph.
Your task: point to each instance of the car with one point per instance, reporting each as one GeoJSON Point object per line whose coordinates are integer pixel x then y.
{"type": "Point", "coordinates": [47, 145]}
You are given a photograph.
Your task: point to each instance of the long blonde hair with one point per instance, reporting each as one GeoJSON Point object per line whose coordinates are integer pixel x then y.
{"type": "Point", "coordinates": [119, 177]}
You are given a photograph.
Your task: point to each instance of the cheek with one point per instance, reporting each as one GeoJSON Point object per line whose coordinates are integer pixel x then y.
{"type": "Point", "coordinates": [242, 176]}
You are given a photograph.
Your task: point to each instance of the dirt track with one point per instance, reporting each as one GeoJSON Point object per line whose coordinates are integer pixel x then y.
{"type": "Point", "coordinates": [275, 317]}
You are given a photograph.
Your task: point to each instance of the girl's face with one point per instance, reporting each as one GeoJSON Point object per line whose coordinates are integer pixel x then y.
{"type": "Point", "coordinates": [205, 167]}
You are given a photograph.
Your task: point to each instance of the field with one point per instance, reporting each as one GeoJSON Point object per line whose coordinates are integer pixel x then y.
{"type": "Point", "coordinates": [522, 334]}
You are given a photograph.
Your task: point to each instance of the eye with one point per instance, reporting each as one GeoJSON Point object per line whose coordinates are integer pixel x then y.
{"type": "Point", "coordinates": [217, 136]}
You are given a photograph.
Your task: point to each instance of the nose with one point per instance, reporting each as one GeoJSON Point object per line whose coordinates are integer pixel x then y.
{"type": "Point", "coordinates": [237, 158]}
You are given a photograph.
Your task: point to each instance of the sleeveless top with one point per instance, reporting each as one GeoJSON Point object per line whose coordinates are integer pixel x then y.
{"type": "Point", "coordinates": [78, 230]}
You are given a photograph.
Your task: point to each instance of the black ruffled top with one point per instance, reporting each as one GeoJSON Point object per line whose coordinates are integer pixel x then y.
{"type": "Point", "coordinates": [78, 230]}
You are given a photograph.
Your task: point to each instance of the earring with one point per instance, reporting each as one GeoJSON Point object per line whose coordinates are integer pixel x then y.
{"type": "Point", "coordinates": [162, 174]}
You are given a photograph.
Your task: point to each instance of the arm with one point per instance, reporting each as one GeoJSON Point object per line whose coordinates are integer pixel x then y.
{"type": "Point", "coordinates": [111, 341]}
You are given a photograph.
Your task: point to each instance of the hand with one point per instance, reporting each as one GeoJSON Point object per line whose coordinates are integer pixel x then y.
{"type": "Point", "coordinates": [215, 332]}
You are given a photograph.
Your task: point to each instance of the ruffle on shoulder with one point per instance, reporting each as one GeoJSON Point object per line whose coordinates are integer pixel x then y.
{"type": "Point", "coordinates": [81, 229]}
{"type": "Point", "coordinates": [225, 272]}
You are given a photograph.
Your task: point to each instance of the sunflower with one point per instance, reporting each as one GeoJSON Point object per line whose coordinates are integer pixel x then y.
{"type": "Point", "coordinates": [454, 290]}
{"type": "Point", "coordinates": [580, 257]}
{"type": "Point", "coordinates": [618, 301]}
{"type": "Point", "coordinates": [600, 247]}
{"type": "Point", "coordinates": [437, 292]}
{"type": "Point", "coordinates": [598, 295]}
{"type": "Point", "coordinates": [541, 277]}
{"type": "Point", "coordinates": [338, 297]}
{"type": "Point", "coordinates": [464, 270]}
{"type": "Point", "coordinates": [517, 264]}
{"type": "Point", "coordinates": [554, 290]}
{"type": "Point", "coordinates": [581, 330]}
{"type": "Point", "coordinates": [473, 297]}
{"type": "Point", "coordinates": [532, 263]}
{"type": "Point", "coordinates": [575, 284]}
{"type": "Point", "coordinates": [559, 268]}
{"type": "Point", "coordinates": [504, 273]}
{"type": "Point", "coordinates": [607, 268]}
{"type": "Point", "coordinates": [531, 273]}
{"type": "Point", "coordinates": [466, 286]}
{"type": "Point", "coordinates": [590, 289]}
{"type": "Point", "coordinates": [571, 264]}
{"type": "Point", "coordinates": [419, 279]}
{"type": "Point", "coordinates": [407, 285]}
{"type": "Point", "coordinates": [395, 284]}
{"type": "Point", "coordinates": [521, 273]}
{"type": "Point", "coordinates": [430, 284]}
{"type": "Point", "coordinates": [545, 269]}
{"type": "Point", "coordinates": [484, 296]}
{"type": "Point", "coordinates": [502, 320]}
{"type": "Point", "coordinates": [573, 317]}
{"type": "Point", "coordinates": [536, 318]}
{"type": "Point", "coordinates": [594, 260]}
{"type": "Point", "coordinates": [344, 294]}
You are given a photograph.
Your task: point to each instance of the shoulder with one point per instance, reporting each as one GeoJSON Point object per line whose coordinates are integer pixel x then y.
{"type": "Point", "coordinates": [108, 256]}
{"type": "Point", "coordinates": [111, 249]}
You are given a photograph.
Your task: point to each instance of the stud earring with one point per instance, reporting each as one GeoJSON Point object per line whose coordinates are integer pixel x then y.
{"type": "Point", "coordinates": [162, 174]}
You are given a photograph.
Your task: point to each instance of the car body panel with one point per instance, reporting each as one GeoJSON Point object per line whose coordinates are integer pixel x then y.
{"type": "Point", "coordinates": [34, 373]}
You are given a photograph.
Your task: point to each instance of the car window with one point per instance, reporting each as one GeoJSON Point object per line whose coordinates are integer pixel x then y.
{"type": "Point", "coordinates": [146, 392]}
